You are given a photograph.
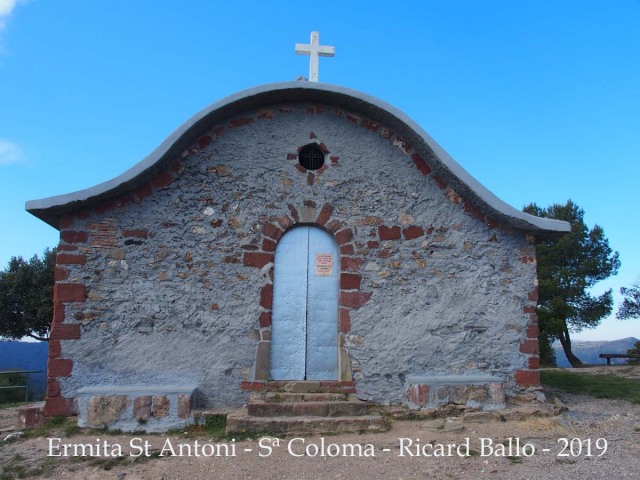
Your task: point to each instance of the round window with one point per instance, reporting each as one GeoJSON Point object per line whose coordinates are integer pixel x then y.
{"type": "Point", "coordinates": [311, 157]}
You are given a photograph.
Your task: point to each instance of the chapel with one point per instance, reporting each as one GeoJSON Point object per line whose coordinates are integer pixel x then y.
{"type": "Point", "coordinates": [298, 237]}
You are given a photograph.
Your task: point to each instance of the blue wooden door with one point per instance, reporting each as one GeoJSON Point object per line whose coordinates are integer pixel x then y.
{"type": "Point", "coordinates": [304, 330]}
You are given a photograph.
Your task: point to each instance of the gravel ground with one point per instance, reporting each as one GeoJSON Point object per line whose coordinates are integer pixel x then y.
{"type": "Point", "coordinates": [586, 421]}
{"type": "Point", "coordinates": [8, 417]}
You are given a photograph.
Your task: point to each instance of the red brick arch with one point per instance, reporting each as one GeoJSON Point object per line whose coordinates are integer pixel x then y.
{"type": "Point", "coordinates": [351, 294]}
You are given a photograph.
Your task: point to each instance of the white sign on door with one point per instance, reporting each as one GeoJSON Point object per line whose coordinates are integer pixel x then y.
{"type": "Point", "coordinates": [324, 264]}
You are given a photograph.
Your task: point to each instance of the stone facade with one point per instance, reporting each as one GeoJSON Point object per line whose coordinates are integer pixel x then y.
{"type": "Point", "coordinates": [171, 281]}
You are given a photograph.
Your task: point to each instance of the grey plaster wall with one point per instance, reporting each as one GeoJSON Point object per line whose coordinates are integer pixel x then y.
{"type": "Point", "coordinates": [177, 305]}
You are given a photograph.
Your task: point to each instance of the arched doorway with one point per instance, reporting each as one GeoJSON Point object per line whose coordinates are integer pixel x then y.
{"type": "Point", "coordinates": [304, 330]}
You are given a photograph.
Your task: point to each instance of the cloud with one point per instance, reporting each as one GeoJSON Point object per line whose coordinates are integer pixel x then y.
{"type": "Point", "coordinates": [10, 152]}
{"type": "Point", "coordinates": [6, 7]}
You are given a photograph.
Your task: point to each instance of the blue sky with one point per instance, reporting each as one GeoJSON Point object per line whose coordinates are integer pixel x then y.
{"type": "Point", "coordinates": [540, 101]}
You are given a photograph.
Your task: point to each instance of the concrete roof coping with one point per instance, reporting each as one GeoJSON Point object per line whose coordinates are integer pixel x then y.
{"type": "Point", "coordinates": [139, 389]}
{"type": "Point", "coordinates": [51, 209]}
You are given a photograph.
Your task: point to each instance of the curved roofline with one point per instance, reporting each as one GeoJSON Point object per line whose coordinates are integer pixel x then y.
{"type": "Point", "coordinates": [51, 209]}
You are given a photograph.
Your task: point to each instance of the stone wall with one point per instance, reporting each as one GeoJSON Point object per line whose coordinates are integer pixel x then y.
{"type": "Point", "coordinates": [171, 283]}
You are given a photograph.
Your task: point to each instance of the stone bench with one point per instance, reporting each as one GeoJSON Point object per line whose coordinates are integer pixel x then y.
{"type": "Point", "coordinates": [480, 391]}
{"type": "Point", "coordinates": [136, 407]}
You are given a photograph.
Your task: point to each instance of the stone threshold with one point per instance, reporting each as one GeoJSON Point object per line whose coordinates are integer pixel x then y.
{"type": "Point", "coordinates": [301, 386]}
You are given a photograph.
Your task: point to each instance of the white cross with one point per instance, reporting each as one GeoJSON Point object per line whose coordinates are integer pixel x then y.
{"type": "Point", "coordinates": [314, 51]}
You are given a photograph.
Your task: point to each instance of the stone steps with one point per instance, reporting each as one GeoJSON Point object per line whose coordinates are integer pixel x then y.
{"type": "Point", "coordinates": [280, 397]}
{"type": "Point", "coordinates": [305, 408]}
{"type": "Point", "coordinates": [238, 422]}
{"type": "Point", "coordinates": [331, 408]}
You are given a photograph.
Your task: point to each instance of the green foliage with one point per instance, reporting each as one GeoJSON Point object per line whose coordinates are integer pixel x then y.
{"type": "Point", "coordinates": [630, 307]}
{"type": "Point", "coordinates": [634, 351]}
{"type": "Point", "coordinates": [215, 425]}
{"type": "Point", "coordinates": [26, 296]}
{"type": "Point", "coordinates": [70, 429]}
{"type": "Point", "coordinates": [568, 266]}
{"type": "Point", "coordinates": [46, 429]}
{"type": "Point", "coordinates": [547, 353]}
{"type": "Point", "coordinates": [14, 468]}
{"type": "Point", "coordinates": [600, 386]}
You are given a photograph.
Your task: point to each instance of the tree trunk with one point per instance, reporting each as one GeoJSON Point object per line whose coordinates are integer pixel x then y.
{"type": "Point", "coordinates": [42, 339]}
{"type": "Point", "coordinates": [565, 340]}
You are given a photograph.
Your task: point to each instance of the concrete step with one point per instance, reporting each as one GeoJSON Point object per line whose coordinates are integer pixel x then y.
{"type": "Point", "coordinates": [260, 408]}
{"type": "Point", "coordinates": [278, 397]}
{"type": "Point", "coordinates": [238, 422]}
{"type": "Point", "coordinates": [303, 386]}
{"type": "Point", "coordinates": [309, 386]}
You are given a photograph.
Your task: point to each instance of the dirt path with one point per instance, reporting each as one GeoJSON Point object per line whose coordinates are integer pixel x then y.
{"type": "Point", "coordinates": [8, 418]}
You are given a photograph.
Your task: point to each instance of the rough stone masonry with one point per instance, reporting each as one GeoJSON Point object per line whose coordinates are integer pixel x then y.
{"type": "Point", "coordinates": [165, 276]}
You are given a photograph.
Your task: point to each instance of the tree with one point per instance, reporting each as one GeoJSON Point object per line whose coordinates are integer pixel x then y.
{"type": "Point", "coordinates": [630, 307]}
{"type": "Point", "coordinates": [568, 266]}
{"type": "Point", "coordinates": [634, 351]}
{"type": "Point", "coordinates": [26, 296]}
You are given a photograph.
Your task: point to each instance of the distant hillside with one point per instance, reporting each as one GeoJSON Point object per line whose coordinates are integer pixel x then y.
{"type": "Point", "coordinates": [588, 351]}
{"type": "Point", "coordinates": [27, 356]}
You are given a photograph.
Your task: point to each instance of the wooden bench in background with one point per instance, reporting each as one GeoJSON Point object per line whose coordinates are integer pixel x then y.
{"type": "Point", "coordinates": [609, 356]}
